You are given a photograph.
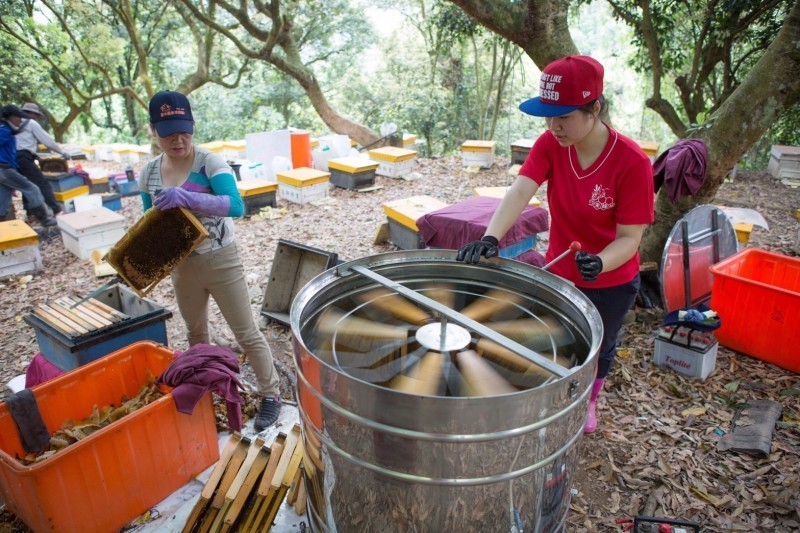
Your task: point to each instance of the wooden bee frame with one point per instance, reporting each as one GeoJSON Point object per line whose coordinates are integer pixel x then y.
{"type": "Point", "coordinates": [157, 243]}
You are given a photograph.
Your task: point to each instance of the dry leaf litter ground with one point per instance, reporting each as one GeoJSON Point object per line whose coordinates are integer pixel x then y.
{"type": "Point", "coordinates": [655, 451]}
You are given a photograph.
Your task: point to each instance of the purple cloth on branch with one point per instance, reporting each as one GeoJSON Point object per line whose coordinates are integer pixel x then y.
{"type": "Point", "coordinates": [203, 368]}
{"type": "Point", "coordinates": [455, 225]}
{"type": "Point", "coordinates": [681, 169]}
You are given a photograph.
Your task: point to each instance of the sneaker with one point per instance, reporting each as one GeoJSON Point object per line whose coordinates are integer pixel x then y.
{"type": "Point", "coordinates": [267, 413]}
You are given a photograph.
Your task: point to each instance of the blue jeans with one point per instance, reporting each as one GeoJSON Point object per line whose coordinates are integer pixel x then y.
{"type": "Point", "coordinates": [11, 180]}
{"type": "Point", "coordinates": [613, 304]}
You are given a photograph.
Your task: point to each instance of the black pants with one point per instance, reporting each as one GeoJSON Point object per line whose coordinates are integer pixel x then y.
{"type": "Point", "coordinates": [29, 169]}
{"type": "Point", "coordinates": [613, 304]}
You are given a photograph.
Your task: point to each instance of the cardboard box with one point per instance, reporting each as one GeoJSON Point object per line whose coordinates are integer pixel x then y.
{"type": "Point", "coordinates": [686, 352]}
{"type": "Point", "coordinates": [90, 230]}
{"type": "Point", "coordinates": [19, 249]}
{"type": "Point", "coordinates": [650, 148]}
{"type": "Point", "coordinates": [104, 481]}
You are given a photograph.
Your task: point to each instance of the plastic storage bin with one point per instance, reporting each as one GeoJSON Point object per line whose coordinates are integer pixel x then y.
{"type": "Point", "coordinates": [757, 296]}
{"type": "Point", "coordinates": [147, 322]}
{"type": "Point", "coordinates": [104, 481]}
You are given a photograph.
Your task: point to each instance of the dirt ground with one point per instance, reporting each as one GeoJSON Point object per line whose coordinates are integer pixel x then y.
{"type": "Point", "coordinates": [655, 452]}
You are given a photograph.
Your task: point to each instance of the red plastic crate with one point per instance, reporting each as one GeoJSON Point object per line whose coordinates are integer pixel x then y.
{"type": "Point", "coordinates": [103, 482]}
{"type": "Point", "coordinates": [757, 296]}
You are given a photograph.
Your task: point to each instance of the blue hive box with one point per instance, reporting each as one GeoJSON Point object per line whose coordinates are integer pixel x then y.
{"type": "Point", "coordinates": [62, 181]}
{"type": "Point", "coordinates": [145, 321]}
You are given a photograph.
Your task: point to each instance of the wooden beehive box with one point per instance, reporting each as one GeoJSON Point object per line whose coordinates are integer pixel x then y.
{"type": "Point", "coordinates": [154, 246]}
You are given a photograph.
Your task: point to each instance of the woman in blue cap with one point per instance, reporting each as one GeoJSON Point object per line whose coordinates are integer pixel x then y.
{"type": "Point", "coordinates": [599, 192]}
{"type": "Point", "coordinates": [188, 176]}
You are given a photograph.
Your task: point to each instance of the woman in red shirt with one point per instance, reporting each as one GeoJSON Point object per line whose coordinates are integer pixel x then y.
{"type": "Point", "coordinates": [599, 192]}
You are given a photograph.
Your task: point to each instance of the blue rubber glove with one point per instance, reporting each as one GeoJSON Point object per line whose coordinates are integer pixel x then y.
{"type": "Point", "coordinates": [589, 265]}
{"type": "Point", "coordinates": [207, 204]}
{"type": "Point", "coordinates": [472, 252]}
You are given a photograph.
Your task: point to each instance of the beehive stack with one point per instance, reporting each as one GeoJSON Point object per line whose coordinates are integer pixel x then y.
{"type": "Point", "coordinates": [19, 248]}
{"type": "Point", "coordinates": [784, 163]}
{"type": "Point", "coordinates": [303, 185]}
{"type": "Point", "coordinates": [393, 162]}
{"type": "Point", "coordinates": [402, 216]}
{"type": "Point", "coordinates": [478, 153]}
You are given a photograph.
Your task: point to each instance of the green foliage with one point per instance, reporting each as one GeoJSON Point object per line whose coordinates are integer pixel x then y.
{"type": "Point", "coordinates": [785, 131]}
{"type": "Point", "coordinates": [707, 48]}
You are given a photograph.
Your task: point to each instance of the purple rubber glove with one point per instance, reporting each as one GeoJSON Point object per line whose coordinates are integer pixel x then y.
{"type": "Point", "coordinates": [207, 204]}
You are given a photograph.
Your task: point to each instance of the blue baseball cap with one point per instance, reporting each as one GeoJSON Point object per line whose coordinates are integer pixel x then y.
{"type": "Point", "coordinates": [171, 113]}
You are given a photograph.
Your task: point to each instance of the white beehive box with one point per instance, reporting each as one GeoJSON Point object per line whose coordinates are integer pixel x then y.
{"type": "Point", "coordinates": [480, 153]}
{"type": "Point", "coordinates": [85, 231]}
{"type": "Point", "coordinates": [303, 185]}
{"type": "Point", "coordinates": [19, 249]}
{"type": "Point", "coordinates": [234, 150]}
{"type": "Point", "coordinates": [784, 162]}
{"type": "Point", "coordinates": [393, 162]}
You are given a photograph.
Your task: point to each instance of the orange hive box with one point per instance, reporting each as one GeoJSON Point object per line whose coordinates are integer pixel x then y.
{"type": "Point", "coordinates": [104, 481]}
{"type": "Point", "coordinates": [154, 246]}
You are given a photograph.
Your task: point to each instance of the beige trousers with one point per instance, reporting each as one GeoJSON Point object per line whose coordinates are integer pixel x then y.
{"type": "Point", "coordinates": [220, 274]}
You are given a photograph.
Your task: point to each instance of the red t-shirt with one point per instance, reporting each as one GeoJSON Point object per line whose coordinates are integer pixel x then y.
{"type": "Point", "coordinates": [587, 204]}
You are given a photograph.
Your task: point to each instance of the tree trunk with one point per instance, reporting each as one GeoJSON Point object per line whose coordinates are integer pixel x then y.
{"type": "Point", "coordinates": [540, 27]}
{"type": "Point", "coordinates": [771, 88]}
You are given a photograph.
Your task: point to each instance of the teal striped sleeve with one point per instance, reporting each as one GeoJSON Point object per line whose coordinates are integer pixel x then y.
{"type": "Point", "coordinates": [147, 201]}
{"type": "Point", "coordinates": [220, 177]}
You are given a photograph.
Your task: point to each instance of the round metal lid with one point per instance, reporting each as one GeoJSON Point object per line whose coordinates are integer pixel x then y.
{"type": "Point", "coordinates": [702, 238]}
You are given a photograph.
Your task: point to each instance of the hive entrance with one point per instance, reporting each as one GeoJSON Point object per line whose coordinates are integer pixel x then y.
{"type": "Point", "coordinates": [387, 339]}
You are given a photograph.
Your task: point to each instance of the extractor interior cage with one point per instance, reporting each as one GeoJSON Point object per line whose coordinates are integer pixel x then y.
{"type": "Point", "coordinates": [440, 396]}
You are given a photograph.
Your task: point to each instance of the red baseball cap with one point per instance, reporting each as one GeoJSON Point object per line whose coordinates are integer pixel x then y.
{"type": "Point", "coordinates": [566, 84]}
{"type": "Point", "coordinates": [170, 113]}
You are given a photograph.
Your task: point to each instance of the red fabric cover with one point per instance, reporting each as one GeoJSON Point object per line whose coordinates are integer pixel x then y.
{"type": "Point", "coordinates": [40, 370]}
{"type": "Point", "coordinates": [453, 226]}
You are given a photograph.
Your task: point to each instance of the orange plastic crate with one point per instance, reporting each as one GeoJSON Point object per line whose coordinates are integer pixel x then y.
{"type": "Point", "coordinates": [757, 296]}
{"type": "Point", "coordinates": [104, 481]}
